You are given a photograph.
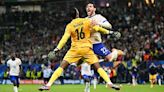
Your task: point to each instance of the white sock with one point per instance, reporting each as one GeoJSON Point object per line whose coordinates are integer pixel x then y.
{"type": "Point", "coordinates": [94, 83]}
{"type": "Point", "coordinates": [136, 81]}
{"type": "Point", "coordinates": [3, 82]}
{"type": "Point", "coordinates": [159, 82]}
{"type": "Point", "coordinates": [15, 89]}
{"type": "Point", "coordinates": [88, 86]}
{"type": "Point", "coordinates": [133, 82]}
{"type": "Point", "coordinates": [106, 85]}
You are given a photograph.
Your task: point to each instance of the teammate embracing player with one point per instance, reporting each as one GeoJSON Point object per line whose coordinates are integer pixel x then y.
{"type": "Point", "coordinates": [98, 47]}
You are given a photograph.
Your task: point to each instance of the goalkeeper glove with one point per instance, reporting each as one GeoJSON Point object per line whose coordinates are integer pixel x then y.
{"type": "Point", "coordinates": [115, 34]}
{"type": "Point", "coordinates": [56, 50]}
{"type": "Point", "coordinates": [52, 54]}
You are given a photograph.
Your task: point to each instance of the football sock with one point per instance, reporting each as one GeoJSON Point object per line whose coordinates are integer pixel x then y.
{"type": "Point", "coordinates": [87, 87]}
{"type": "Point", "coordinates": [133, 81]}
{"type": "Point", "coordinates": [55, 75]}
{"type": "Point", "coordinates": [15, 89]}
{"type": "Point", "coordinates": [159, 82]}
{"type": "Point", "coordinates": [94, 83]}
{"type": "Point", "coordinates": [104, 75]}
{"type": "Point", "coordinates": [151, 83]}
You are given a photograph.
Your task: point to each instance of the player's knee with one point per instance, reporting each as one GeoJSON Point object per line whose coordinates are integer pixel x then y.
{"type": "Point", "coordinates": [96, 66]}
{"type": "Point", "coordinates": [108, 57]}
{"type": "Point", "coordinates": [18, 85]}
{"type": "Point", "coordinates": [64, 64]}
{"type": "Point", "coordinates": [14, 83]}
{"type": "Point", "coordinates": [87, 80]}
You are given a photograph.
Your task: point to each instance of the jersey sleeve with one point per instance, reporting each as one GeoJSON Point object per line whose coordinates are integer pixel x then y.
{"type": "Point", "coordinates": [97, 27]}
{"type": "Point", "coordinates": [8, 64]}
{"type": "Point", "coordinates": [104, 22]}
{"type": "Point", "coordinates": [19, 62]}
{"type": "Point", "coordinates": [65, 37]}
{"type": "Point", "coordinates": [100, 29]}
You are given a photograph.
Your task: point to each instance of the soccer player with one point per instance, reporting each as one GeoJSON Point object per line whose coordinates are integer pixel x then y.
{"type": "Point", "coordinates": [134, 74]}
{"type": "Point", "coordinates": [47, 73]}
{"type": "Point", "coordinates": [98, 47]}
{"type": "Point", "coordinates": [79, 29]}
{"type": "Point", "coordinates": [152, 74]}
{"type": "Point", "coordinates": [14, 69]}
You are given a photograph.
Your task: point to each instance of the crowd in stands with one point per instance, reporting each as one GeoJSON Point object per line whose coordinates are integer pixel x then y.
{"type": "Point", "coordinates": [33, 34]}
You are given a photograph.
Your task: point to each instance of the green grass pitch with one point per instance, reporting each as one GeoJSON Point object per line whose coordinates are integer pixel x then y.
{"type": "Point", "coordinates": [80, 88]}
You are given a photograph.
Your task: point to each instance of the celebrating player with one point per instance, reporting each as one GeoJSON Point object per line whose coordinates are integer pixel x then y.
{"type": "Point", "coordinates": [79, 30]}
{"type": "Point", "coordinates": [14, 66]}
{"type": "Point", "coordinates": [98, 47]}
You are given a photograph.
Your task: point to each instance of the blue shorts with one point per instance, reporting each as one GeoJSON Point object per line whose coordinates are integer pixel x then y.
{"type": "Point", "coordinates": [134, 75]}
{"type": "Point", "coordinates": [96, 75]}
{"type": "Point", "coordinates": [86, 77]}
{"type": "Point", "coordinates": [159, 77]}
{"type": "Point", "coordinates": [100, 49]}
{"type": "Point", "coordinates": [14, 79]}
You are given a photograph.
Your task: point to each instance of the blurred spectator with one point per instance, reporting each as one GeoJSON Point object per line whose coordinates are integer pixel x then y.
{"type": "Point", "coordinates": [5, 77]}
{"type": "Point", "coordinates": [39, 74]}
{"type": "Point", "coordinates": [33, 74]}
{"type": "Point", "coordinates": [28, 73]}
{"type": "Point", "coordinates": [47, 72]}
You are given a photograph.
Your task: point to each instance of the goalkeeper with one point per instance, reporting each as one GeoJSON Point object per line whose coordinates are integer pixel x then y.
{"type": "Point", "coordinates": [81, 47]}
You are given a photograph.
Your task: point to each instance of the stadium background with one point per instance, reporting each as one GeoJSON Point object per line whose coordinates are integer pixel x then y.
{"type": "Point", "coordinates": [32, 28]}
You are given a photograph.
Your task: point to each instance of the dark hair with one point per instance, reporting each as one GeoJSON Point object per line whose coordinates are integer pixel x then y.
{"type": "Point", "coordinates": [73, 13]}
{"type": "Point", "coordinates": [91, 2]}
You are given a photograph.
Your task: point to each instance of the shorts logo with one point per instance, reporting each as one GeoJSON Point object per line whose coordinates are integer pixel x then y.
{"type": "Point", "coordinates": [104, 50]}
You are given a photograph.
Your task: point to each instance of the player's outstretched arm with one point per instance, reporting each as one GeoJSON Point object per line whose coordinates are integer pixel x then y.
{"type": "Point", "coordinates": [105, 24]}
{"type": "Point", "coordinates": [97, 27]}
{"type": "Point", "coordinates": [52, 54]}
{"type": "Point", "coordinates": [105, 31]}
{"type": "Point", "coordinates": [62, 42]}
{"type": "Point", "coordinates": [100, 29]}
{"type": "Point", "coordinates": [64, 39]}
